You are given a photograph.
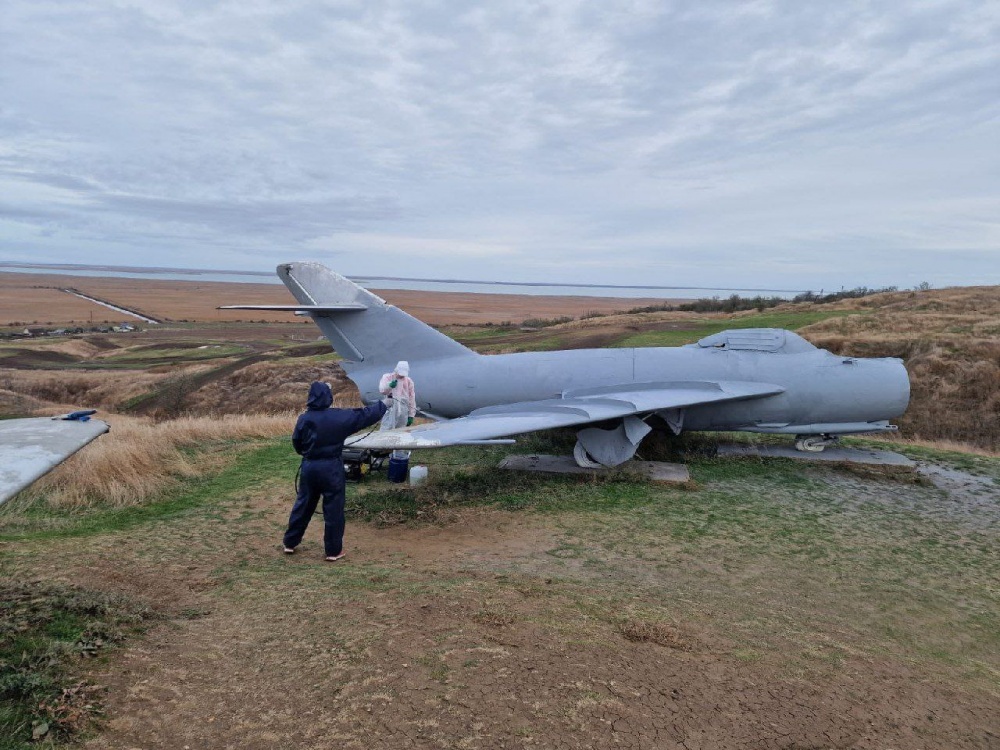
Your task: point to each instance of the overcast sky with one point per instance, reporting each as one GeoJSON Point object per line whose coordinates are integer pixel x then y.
{"type": "Point", "coordinates": [780, 144]}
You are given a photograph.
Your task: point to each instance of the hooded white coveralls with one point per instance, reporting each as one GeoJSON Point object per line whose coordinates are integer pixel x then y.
{"type": "Point", "coordinates": [404, 396]}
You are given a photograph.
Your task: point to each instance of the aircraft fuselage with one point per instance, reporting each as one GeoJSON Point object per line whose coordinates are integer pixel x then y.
{"type": "Point", "coordinates": [821, 388]}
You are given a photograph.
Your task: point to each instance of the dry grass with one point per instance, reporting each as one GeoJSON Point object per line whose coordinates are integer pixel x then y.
{"type": "Point", "coordinates": [950, 341]}
{"type": "Point", "coordinates": [139, 459]}
{"type": "Point", "coordinates": [27, 305]}
{"type": "Point", "coordinates": [493, 617]}
{"type": "Point", "coordinates": [108, 390]}
{"type": "Point", "coordinates": [270, 388]}
{"type": "Point", "coordinates": [959, 299]}
{"type": "Point", "coordinates": [658, 632]}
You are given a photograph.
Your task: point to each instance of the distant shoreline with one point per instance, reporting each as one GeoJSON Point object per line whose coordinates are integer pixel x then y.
{"type": "Point", "coordinates": [398, 282]}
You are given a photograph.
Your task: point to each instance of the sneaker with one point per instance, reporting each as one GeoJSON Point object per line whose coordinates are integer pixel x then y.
{"type": "Point", "coordinates": [334, 558]}
{"type": "Point", "coordinates": [289, 550]}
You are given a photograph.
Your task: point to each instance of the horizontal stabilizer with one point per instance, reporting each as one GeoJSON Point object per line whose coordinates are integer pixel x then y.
{"type": "Point", "coordinates": [317, 309]}
{"type": "Point", "coordinates": [361, 326]}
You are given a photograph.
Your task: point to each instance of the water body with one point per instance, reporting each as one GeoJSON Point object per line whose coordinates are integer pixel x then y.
{"type": "Point", "coordinates": [423, 285]}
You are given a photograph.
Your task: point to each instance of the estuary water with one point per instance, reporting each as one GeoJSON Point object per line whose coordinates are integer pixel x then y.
{"type": "Point", "coordinates": [387, 282]}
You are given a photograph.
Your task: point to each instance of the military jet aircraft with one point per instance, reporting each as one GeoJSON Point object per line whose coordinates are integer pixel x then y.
{"type": "Point", "coordinates": [763, 380]}
{"type": "Point", "coordinates": [30, 448]}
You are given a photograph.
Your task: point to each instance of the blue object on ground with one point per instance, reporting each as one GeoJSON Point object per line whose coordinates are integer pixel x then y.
{"type": "Point", "coordinates": [398, 466]}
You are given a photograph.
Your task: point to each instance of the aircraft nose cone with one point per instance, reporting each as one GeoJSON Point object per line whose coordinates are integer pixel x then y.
{"type": "Point", "coordinates": [893, 387]}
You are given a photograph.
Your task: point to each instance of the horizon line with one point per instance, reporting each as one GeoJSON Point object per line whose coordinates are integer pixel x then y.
{"type": "Point", "coordinates": [266, 274]}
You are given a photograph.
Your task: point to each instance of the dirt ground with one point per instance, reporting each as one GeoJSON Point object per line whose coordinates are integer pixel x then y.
{"type": "Point", "coordinates": [484, 631]}
{"type": "Point", "coordinates": [27, 300]}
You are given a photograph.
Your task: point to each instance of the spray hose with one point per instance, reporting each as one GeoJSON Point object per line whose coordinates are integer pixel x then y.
{"type": "Point", "coordinates": [359, 439]}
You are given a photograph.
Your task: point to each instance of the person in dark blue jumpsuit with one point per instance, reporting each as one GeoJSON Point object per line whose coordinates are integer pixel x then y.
{"type": "Point", "coordinates": [319, 438]}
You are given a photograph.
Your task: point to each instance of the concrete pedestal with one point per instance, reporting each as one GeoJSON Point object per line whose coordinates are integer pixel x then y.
{"type": "Point", "coordinates": [654, 470]}
{"type": "Point", "coordinates": [835, 454]}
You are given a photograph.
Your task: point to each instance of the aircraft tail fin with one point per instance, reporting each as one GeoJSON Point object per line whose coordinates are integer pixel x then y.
{"type": "Point", "coordinates": [361, 326]}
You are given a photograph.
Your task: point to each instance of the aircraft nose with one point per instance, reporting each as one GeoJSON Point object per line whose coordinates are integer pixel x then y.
{"type": "Point", "coordinates": [889, 386]}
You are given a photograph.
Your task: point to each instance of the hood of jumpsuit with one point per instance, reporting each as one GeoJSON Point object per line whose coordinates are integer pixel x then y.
{"type": "Point", "coordinates": [320, 396]}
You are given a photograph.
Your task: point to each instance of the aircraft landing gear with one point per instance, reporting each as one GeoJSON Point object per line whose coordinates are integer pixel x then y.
{"type": "Point", "coordinates": [584, 459]}
{"type": "Point", "coordinates": [814, 443]}
{"type": "Point", "coordinates": [597, 448]}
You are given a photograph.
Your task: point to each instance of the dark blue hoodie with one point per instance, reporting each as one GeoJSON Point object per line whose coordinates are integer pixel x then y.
{"type": "Point", "coordinates": [321, 431]}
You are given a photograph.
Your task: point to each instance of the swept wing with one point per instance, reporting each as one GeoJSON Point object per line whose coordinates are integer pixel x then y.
{"type": "Point", "coordinates": [30, 448]}
{"type": "Point", "coordinates": [574, 408]}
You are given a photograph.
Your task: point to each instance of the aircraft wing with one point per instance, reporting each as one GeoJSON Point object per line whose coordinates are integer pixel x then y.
{"type": "Point", "coordinates": [574, 408]}
{"type": "Point", "coordinates": [30, 448]}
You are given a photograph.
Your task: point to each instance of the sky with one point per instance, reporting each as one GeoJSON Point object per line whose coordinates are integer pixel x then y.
{"type": "Point", "coordinates": [801, 145]}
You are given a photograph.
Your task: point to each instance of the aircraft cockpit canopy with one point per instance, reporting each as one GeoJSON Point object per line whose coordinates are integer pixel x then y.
{"type": "Point", "coordinates": [775, 340]}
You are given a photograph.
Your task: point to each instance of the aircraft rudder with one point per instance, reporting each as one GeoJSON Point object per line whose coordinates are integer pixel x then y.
{"type": "Point", "coordinates": [380, 334]}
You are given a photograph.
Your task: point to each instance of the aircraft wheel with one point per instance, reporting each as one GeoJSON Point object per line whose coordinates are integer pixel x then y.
{"type": "Point", "coordinates": [814, 444]}
{"type": "Point", "coordinates": [584, 459]}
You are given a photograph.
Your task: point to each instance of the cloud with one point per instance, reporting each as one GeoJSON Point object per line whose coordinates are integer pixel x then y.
{"type": "Point", "coordinates": [754, 143]}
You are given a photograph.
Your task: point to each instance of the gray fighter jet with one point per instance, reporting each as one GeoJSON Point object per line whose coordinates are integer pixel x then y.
{"type": "Point", "coordinates": [762, 380]}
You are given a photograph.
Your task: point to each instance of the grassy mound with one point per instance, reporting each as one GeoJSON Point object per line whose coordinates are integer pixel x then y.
{"type": "Point", "coordinates": [46, 631]}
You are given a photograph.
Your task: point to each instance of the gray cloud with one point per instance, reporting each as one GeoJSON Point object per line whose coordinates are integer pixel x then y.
{"type": "Point", "coordinates": [798, 144]}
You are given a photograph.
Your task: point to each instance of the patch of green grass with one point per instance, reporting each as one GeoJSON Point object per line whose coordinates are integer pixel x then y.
{"type": "Point", "coordinates": [46, 630]}
{"type": "Point", "coordinates": [792, 320]}
{"type": "Point", "coordinates": [470, 334]}
{"type": "Point", "coordinates": [523, 345]}
{"type": "Point", "coordinates": [468, 476]}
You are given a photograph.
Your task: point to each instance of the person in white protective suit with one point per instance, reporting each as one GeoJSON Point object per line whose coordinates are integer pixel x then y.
{"type": "Point", "coordinates": [398, 386]}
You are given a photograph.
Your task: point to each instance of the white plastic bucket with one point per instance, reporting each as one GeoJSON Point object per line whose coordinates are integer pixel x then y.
{"type": "Point", "coordinates": [418, 475]}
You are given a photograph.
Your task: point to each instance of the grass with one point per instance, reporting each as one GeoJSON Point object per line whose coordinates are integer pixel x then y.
{"type": "Point", "coordinates": [775, 550]}
{"type": "Point", "coordinates": [46, 630]}
{"type": "Point", "coordinates": [792, 320]}
{"type": "Point", "coordinates": [139, 458]}
{"type": "Point", "coordinates": [33, 517]}
{"type": "Point", "coordinates": [774, 563]}
{"type": "Point", "coordinates": [470, 334]}
{"type": "Point", "coordinates": [148, 356]}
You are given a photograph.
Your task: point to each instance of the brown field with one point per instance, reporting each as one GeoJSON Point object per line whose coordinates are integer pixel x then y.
{"type": "Point", "coordinates": [30, 305]}
{"type": "Point", "coordinates": [34, 298]}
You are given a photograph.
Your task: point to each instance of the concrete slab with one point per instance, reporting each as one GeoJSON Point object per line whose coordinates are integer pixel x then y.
{"type": "Point", "coordinates": [833, 454]}
{"type": "Point", "coordinates": [654, 470]}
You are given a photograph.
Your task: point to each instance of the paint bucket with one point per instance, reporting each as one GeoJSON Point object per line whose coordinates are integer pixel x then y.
{"type": "Point", "coordinates": [399, 462]}
{"type": "Point", "coordinates": [418, 475]}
